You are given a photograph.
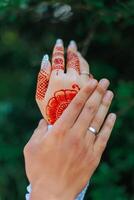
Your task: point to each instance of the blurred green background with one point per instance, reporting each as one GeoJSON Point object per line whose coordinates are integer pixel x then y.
{"type": "Point", "coordinates": [104, 31]}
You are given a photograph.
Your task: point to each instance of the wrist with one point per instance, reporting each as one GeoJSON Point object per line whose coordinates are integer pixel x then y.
{"type": "Point", "coordinates": [42, 191]}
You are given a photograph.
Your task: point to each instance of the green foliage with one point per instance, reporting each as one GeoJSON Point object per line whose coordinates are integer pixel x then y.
{"type": "Point", "coordinates": [104, 33]}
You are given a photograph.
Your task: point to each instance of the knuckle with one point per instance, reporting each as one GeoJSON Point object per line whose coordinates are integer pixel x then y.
{"type": "Point", "coordinates": [90, 107]}
{"type": "Point", "coordinates": [26, 149]}
{"type": "Point", "coordinates": [76, 141]}
{"type": "Point", "coordinates": [86, 90]}
{"type": "Point", "coordinates": [97, 120]}
{"type": "Point", "coordinates": [109, 125]}
{"type": "Point", "coordinates": [100, 90]}
{"type": "Point", "coordinates": [105, 102]}
{"type": "Point", "coordinates": [59, 133]}
{"type": "Point", "coordinates": [29, 148]}
{"type": "Point", "coordinates": [78, 103]}
{"type": "Point", "coordinates": [103, 142]}
{"type": "Point", "coordinates": [57, 130]}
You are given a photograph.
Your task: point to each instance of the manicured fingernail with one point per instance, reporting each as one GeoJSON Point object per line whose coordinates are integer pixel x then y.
{"type": "Point", "coordinates": [108, 96]}
{"type": "Point", "coordinates": [45, 61]}
{"type": "Point", "coordinates": [104, 83]}
{"type": "Point", "coordinates": [73, 44]}
{"type": "Point", "coordinates": [46, 57]}
{"type": "Point", "coordinates": [112, 116]}
{"type": "Point", "coordinates": [59, 42]}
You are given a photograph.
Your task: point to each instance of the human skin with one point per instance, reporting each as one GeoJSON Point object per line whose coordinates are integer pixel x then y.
{"type": "Point", "coordinates": [60, 161]}
{"type": "Point", "coordinates": [58, 83]}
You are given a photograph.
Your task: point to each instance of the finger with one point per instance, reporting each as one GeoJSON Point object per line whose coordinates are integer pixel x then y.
{"type": "Point", "coordinates": [70, 115]}
{"type": "Point", "coordinates": [73, 63]}
{"type": "Point", "coordinates": [91, 107]}
{"type": "Point", "coordinates": [43, 78]}
{"type": "Point", "coordinates": [42, 124]}
{"type": "Point", "coordinates": [100, 116]}
{"type": "Point", "coordinates": [103, 136]}
{"type": "Point", "coordinates": [40, 131]}
{"type": "Point", "coordinates": [84, 69]}
{"type": "Point", "coordinates": [58, 62]}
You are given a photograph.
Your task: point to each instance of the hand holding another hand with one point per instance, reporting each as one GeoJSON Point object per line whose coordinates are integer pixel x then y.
{"type": "Point", "coordinates": [60, 161]}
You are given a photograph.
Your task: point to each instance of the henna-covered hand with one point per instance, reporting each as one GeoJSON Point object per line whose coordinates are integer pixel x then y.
{"type": "Point", "coordinates": [58, 83]}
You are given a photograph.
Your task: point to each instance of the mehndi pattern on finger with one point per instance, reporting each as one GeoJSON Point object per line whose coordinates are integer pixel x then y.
{"type": "Point", "coordinates": [42, 85]}
{"type": "Point", "coordinates": [43, 78]}
{"type": "Point", "coordinates": [58, 63]}
{"type": "Point", "coordinates": [58, 56]}
{"type": "Point", "coordinates": [73, 61]}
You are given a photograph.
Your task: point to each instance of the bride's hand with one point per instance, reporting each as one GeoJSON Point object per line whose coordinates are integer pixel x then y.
{"type": "Point", "coordinates": [59, 83]}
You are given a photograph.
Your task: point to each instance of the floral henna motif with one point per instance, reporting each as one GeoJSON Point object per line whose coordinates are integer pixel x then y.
{"type": "Point", "coordinates": [58, 61]}
{"type": "Point", "coordinates": [42, 85]}
{"type": "Point", "coordinates": [60, 102]}
{"type": "Point", "coordinates": [73, 61]}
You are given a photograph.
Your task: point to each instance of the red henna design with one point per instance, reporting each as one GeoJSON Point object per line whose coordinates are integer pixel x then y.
{"type": "Point", "coordinates": [73, 61]}
{"type": "Point", "coordinates": [58, 63]}
{"type": "Point", "coordinates": [59, 103]}
{"type": "Point", "coordinates": [57, 48]}
{"type": "Point", "coordinates": [58, 58]}
{"type": "Point", "coordinates": [57, 67]}
{"type": "Point", "coordinates": [56, 54]}
{"type": "Point", "coordinates": [42, 84]}
{"type": "Point", "coordinates": [75, 86]}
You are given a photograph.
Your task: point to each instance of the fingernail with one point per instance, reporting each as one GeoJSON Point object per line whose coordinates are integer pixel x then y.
{"type": "Point", "coordinates": [59, 42]}
{"type": "Point", "coordinates": [108, 96]}
{"type": "Point", "coordinates": [46, 57]}
{"type": "Point", "coordinates": [112, 116]}
{"type": "Point", "coordinates": [45, 61]}
{"type": "Point", "coordinates": [72, 44]}
{"type": "Point", "coordinates": [104, 83]}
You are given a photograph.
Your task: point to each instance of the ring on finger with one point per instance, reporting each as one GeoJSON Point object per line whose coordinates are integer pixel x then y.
{"type": "Point", "coordinates": [85, 73]}
{"type": "Point", "coordinates": [92, 130]}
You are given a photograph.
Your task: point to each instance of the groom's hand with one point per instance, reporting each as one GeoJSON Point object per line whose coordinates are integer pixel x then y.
{"type": "Point", "coordinates": [59, 162]}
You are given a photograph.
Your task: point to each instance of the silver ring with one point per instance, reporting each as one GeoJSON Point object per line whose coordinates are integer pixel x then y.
{"type": "Point", "coordinates": [92, 130]}
{"type": "Point", "coordinates": [85, 73]}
